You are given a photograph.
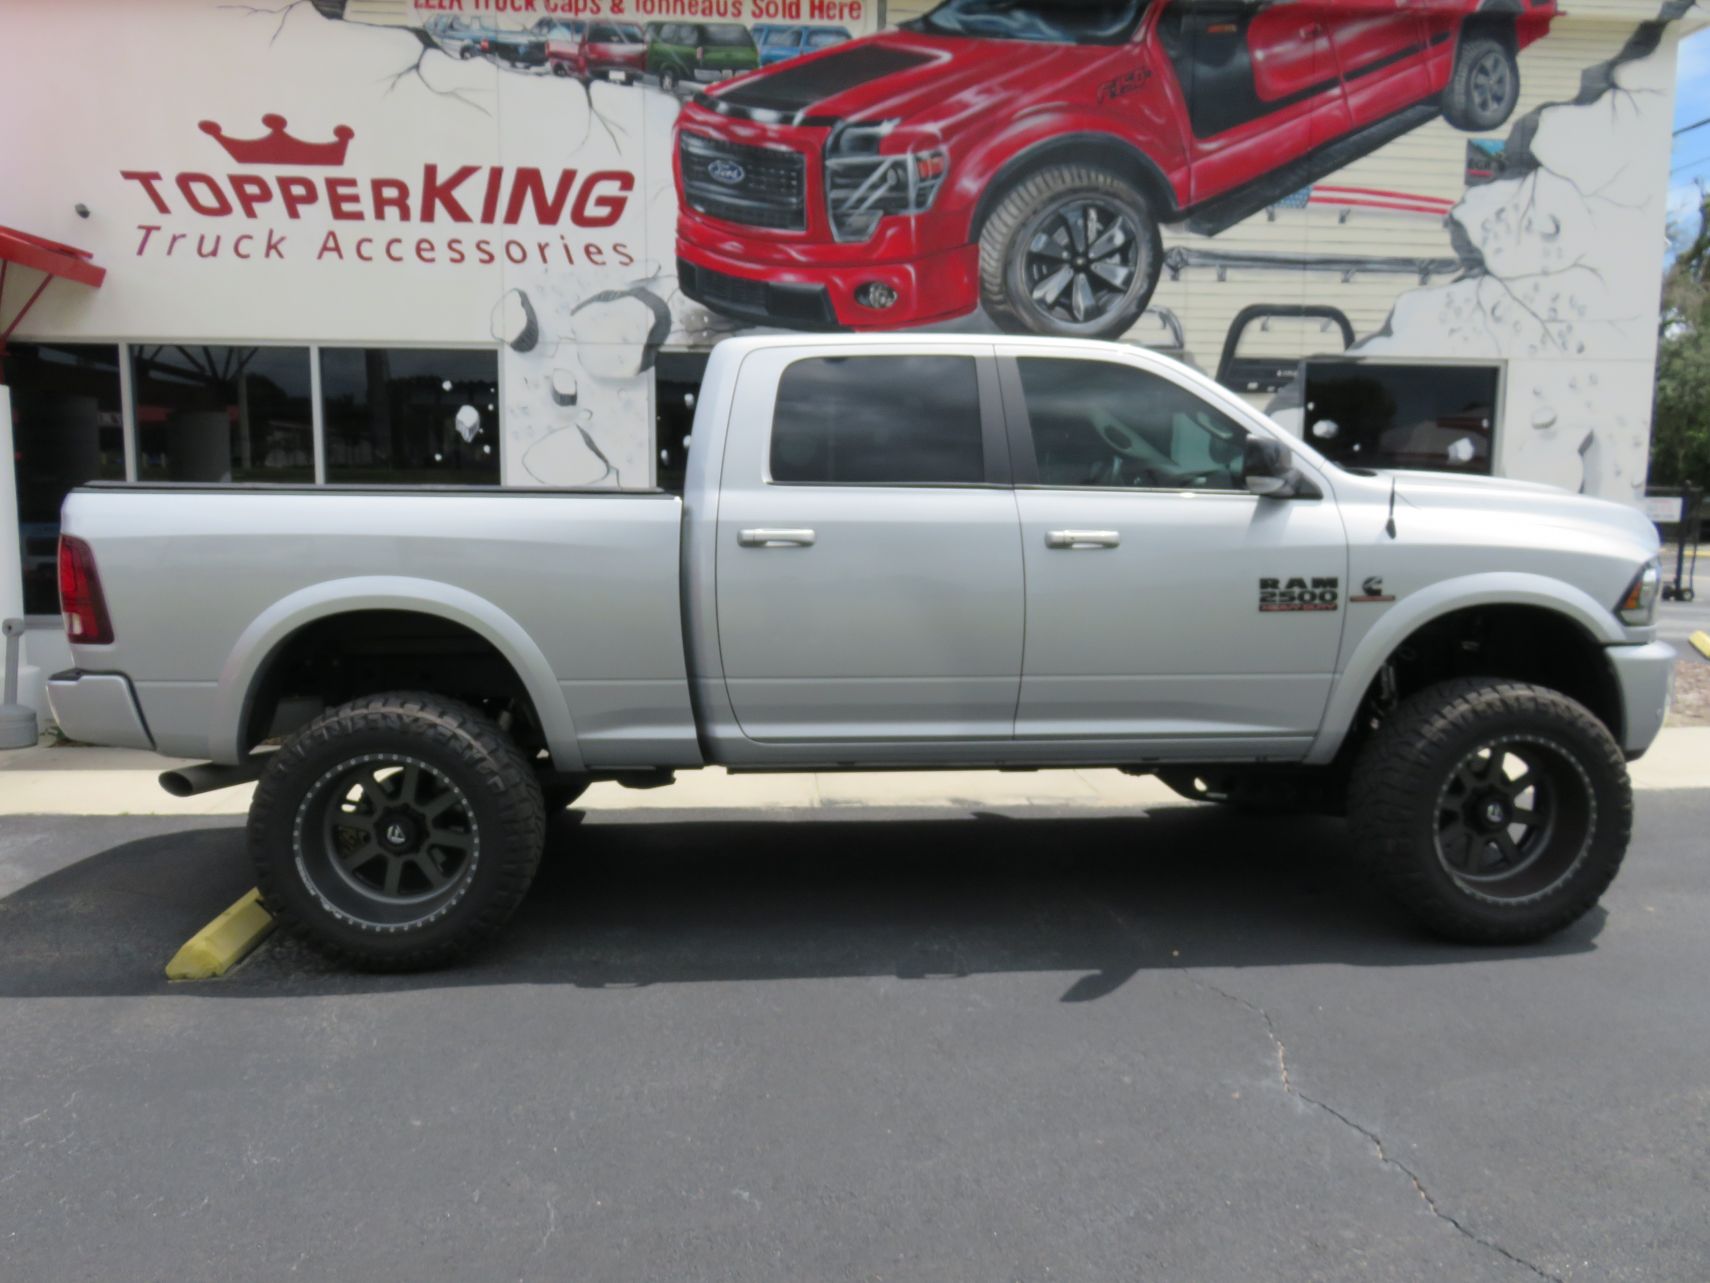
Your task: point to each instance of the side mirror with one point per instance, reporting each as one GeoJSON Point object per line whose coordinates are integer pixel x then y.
{"type": "Point", "coordinates": [1269, 470]}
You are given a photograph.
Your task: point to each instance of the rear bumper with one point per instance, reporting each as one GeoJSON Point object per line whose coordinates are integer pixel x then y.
{"type": "Point", "coordinates": [1645, 675]}
{"type": "Point", "coordinates": [98, 708]}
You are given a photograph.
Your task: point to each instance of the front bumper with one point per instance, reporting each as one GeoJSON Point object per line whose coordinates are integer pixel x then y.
{"type": "Point", "coordinates": [1645, 676]}
{"type": "Point", "coordinates": [802, 295]}
{"type": "Point", "coordinates": [98, 708]}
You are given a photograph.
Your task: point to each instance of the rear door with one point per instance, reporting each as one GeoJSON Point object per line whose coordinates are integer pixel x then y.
{"type": "Point", "coordinates": [1165, 603]}
{"type": "Point", "coordinates": [1381, 54]}
{"type": "Point", "coordinates": [1258, 83]}
{"type": "Point", "coordinates": [869, 561]}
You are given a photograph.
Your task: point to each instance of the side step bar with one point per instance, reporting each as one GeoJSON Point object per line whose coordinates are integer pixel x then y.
{"type": "Point", "coordinates": [1223, 212]}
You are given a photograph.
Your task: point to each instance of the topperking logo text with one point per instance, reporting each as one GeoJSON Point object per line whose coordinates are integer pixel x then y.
{"type": "Point", "coordinates": [518, 214]}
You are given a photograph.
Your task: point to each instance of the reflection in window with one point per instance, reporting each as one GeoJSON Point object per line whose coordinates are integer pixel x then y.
{"type": "Point", "coordinates": [66, 429]}
{"type": "Point", "coordinates": [851, 420]}
{"type": "Point", "coordinates": [215, 413]}
{"type": "Point", "coordinates": [1096, 423]}
{"type": "Point", "coordinates": [676, 389]}
{"type": "Point", "coordinates": [1438, 417]}
{"type": "Point", "coordinates": [411, 416]}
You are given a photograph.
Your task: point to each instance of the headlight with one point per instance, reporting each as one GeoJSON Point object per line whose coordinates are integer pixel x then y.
{"type": "Point", "coordinates": [1639, 605]}
{"type": "Point", "coordinates": [861, 186]}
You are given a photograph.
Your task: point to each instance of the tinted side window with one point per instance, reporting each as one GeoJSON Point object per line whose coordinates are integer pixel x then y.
{"type": "Point", "coordinates": [1098, 424]}
{"type": "Point", "coordinates": [851, 420]}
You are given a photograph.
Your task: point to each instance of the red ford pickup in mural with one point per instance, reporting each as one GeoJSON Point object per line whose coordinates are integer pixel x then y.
{"type": "Point", "coordinates": [1022, 154]}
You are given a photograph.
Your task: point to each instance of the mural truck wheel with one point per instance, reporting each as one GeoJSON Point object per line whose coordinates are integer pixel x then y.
{"type": "Point", "coordinates": [1485, 87]}
{"type": "Point", "coordinates": [1071, 250]}
{"type": "Point", "coordinates": [396, 832]}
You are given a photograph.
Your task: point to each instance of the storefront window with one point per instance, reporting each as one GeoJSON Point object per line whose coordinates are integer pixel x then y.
{"type": "Point", "coordinates": [676, 387]}
{"type": "Point", "coordinates": [66, 429]}
{"type": "Point", "coordinates": [223, 413]}
{"type": "Point", "coordinates": [1436, 417]}
{"type": "Point", "coordinates": [411, 416]}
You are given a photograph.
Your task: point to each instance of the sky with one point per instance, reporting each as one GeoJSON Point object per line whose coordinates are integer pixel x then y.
{"type": "Point", "coordinates": [1691, 162]}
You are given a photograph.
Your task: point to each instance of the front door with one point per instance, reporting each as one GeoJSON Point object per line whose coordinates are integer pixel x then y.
{"type": "Point", "coordinates": [869, 559]}
{"type": "Point", "coordinates": [1165, 602]}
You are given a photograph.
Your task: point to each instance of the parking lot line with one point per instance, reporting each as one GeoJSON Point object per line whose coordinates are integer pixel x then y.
{"type": "Point", "coordinates": [223, 943]}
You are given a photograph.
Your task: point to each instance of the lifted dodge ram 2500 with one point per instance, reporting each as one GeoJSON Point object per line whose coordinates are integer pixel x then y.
{"type": "Point", "coordinates": [923, 551]}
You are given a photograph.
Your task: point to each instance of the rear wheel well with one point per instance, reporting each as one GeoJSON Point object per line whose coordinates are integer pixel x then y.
{"type": "Point", "coordinates": [1524, 643]}
{"type": "Point", "coordinates": [1108, 153]}
{"type": "Point", "coordinates": [367, 652]}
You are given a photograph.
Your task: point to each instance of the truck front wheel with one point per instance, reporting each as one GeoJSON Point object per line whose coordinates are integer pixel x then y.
{"type": "Point", "coordinates": [1484, 86]}
{"type": "Point", "coordinates": [1497, 811]}
{"type": "Point", "coordinates": [1071, 250]}
{"type": "Point", "coordinates": [396, 832]}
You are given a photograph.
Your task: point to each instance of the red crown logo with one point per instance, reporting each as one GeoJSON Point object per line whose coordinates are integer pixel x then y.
{"type": "Point", "coordinates": [276, 147]}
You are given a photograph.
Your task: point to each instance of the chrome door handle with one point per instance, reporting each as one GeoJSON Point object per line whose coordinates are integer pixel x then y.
{"type": "Point", "coordinates": [1082, 538]}
{"type": "Point", "coordinates": [764, 538]}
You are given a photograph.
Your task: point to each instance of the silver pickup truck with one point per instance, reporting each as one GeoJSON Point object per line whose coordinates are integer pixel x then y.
{"type": "Point", "coordinates": [921, 551]}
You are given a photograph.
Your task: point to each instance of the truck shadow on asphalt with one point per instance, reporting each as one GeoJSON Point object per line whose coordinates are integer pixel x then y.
{"type": "Point", "coordinates": [639, 898]}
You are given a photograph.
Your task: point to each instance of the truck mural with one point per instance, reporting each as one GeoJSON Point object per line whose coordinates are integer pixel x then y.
{"type": "Point", "coordinates": [873, 185]}
{"type": "Point", "coordinates": [1274, 191]}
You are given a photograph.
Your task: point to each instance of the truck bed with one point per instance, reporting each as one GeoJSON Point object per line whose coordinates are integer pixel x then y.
{"type": "Point", "coordinates": [578, 588]}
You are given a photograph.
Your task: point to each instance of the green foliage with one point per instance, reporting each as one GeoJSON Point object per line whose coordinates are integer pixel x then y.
{"type": "Point", "coordinates": [1680, 434]}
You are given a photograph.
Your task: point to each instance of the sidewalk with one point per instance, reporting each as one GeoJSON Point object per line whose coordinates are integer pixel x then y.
{"type": "Point", "coordinates": [107, 781]}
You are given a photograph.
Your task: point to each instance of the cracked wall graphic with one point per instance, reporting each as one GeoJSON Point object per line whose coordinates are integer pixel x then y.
{"type": "Point", "coordinates": [1555, 281]}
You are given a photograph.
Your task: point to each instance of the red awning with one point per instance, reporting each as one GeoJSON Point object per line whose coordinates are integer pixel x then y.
{"type": "Point", "coordinates": [47, 257]}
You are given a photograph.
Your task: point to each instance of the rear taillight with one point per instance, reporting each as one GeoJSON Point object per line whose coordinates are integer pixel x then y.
{"type": "Point", "coordinates": [80, 600]}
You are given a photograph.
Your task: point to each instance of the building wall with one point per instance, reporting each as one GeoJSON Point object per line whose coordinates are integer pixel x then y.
{"type": "Point", "coordinates": [1550, 271]}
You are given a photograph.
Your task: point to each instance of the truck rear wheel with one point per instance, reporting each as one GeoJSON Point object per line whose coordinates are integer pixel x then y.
{"type": "Point", "coordinates": [1484, 87]}
{"type": "Point", "coordinates": [1497, 811]}
{"type": "Point", "coordinates": [1071, 250]}
{"type": "Point", "coordinates": [396, 832]}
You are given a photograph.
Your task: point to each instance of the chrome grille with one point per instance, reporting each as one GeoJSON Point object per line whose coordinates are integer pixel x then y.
{"type": "Point", "coordinates": [756, 186]}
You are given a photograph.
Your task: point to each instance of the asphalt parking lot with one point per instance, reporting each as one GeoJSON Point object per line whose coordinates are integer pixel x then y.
{"type": "Point", "coordinates": [1181, 1044]}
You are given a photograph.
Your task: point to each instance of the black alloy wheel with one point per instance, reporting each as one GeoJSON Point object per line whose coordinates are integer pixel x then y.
{"type": "Point", "coordinates": [1081, 260]}
{"type": "Point", "coordinates": [1515, 819]}
{"type": "Point", "coordinates": [387, 839]}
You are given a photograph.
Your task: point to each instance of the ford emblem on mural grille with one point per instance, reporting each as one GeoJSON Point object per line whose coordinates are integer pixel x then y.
{"type": "Point", "coordinates": [726, 171]}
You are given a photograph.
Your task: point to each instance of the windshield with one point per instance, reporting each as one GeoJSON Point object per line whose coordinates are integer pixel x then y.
{"type": "Point", "coordinates": [1080, 22]}
{"type": "Point", "coordinates": [726, 34]}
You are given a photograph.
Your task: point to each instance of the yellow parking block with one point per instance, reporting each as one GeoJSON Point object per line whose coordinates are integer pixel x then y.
{"type": "Point", "coordinates": [223, 943]}
{"type": "Point", "coordinates": [1701, 642]}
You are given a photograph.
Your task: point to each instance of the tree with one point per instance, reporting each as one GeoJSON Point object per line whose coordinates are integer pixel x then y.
{"type": "Point", "coordinates": [1680, 432]}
